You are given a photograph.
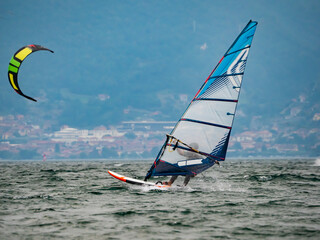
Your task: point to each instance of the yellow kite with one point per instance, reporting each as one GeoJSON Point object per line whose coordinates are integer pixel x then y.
{"type": "Point", "coordinates": [15, 63]}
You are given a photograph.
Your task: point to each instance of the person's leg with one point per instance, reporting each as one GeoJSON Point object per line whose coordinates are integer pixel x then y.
{"type": "Point", "coordinates": [172, 179]}
{"type": "Point", "coordinates": [186, 180]}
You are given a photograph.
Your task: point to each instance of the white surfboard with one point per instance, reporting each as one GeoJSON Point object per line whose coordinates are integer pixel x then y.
{"type": "Point", "coordinates": [136, 181]}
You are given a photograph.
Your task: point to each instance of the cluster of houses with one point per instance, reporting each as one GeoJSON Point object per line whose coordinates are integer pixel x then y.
{"type": "Point", "coordinates": [130, 139]}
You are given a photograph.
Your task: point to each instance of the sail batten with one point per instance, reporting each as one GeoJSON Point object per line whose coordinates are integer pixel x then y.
{"type": "Point", "coordinates": [227, 75]}
{"type": "Point", "coordinates": [238, 50]}
{"type": "Point", "coordinates": [206, 123]}
{"type": "Point", "coordinates": [215, 99]}
{"type": "Point", "coordinates": [201, 136]}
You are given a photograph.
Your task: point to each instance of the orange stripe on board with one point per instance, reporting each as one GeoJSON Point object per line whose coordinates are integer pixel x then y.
{"type": "Point", "coordinates": [117, 177]}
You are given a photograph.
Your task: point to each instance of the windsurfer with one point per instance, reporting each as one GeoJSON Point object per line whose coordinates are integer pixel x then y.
{"type": "Point", "coordinates": [188, 155]}
{"type": "Point", "coordinates": [186, 179]}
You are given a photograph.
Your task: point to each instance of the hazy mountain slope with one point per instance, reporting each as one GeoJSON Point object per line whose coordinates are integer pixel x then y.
{"type": "Point", "coordinates": [117, 61]}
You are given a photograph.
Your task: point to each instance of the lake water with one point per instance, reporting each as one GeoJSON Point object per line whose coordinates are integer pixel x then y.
{"type": "Point", "coordinates": [243, 199]}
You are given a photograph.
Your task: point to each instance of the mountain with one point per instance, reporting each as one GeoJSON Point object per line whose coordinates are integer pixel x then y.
{"type": "Point", "coordinates": [117, 61]}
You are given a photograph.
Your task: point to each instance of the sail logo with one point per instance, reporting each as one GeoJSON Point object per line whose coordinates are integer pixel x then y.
{"type": "Point", "coordinates": [237, 68]}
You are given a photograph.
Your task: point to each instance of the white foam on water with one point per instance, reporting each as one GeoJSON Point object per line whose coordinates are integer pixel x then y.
{"type": "Point", "coordinates": [118, 164]}
{"type": "Point", "coordinates": [147, 188]}
{"type": "Point", "coordinates": [196, 184]}
{"type": "Point", "coordinates": [264, 178]}
{"type": "Point", "coordinates": [217, 185]}
{"type": "Point", "coordinates": [317, 162]}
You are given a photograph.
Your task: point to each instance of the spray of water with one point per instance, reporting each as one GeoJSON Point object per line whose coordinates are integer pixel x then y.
{"type": "Point", "coordinates": [317, 162]}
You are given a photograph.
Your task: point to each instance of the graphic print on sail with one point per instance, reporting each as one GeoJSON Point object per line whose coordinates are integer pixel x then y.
{"type": "Point", "coordinates": [201, 136]}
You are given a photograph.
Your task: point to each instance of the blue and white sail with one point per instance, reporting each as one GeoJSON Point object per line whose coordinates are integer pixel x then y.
{"type": "Point", "coordinates": [201, 136]}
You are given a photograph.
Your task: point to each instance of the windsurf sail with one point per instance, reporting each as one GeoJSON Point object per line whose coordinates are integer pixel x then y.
{"type": "Point", "coordinates": [201, 136]}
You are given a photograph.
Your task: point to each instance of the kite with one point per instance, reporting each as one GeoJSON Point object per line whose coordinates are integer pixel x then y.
{"type": "Point", "coordinates": [15, 63]}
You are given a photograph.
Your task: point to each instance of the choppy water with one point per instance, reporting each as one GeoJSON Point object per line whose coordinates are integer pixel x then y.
{"type": "Point", "coordinates": [269, 199]}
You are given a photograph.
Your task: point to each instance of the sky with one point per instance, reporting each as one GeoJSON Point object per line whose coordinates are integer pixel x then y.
{"type": "Point", "coordinates": [125, 49]}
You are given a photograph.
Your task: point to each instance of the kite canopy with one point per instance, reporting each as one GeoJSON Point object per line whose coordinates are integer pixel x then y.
{"type": "Point", "coordinates": [15, 63]}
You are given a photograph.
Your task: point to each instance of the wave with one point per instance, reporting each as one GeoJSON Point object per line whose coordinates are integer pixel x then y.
{"type": "Point", "coordinates": [118, 164]}
{"type": "Point", "coordinates": [317, 162]}
{"type": "Point", "coordinates": [34, 196]}
{"type": "Point", "coordinates": [283, 176]}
